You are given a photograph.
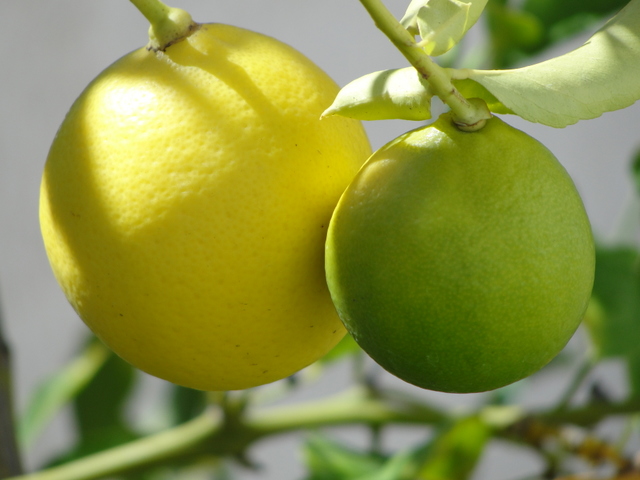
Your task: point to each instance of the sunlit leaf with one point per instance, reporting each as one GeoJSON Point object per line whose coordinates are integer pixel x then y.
{"type": "Point", "coordinates": [60, 389]}
{"type": "Point", "coordinates": [443, 23]}
{"type": "Point", "coordinates": [409, 20]}
{"type": "Point", "coordinates": [598, 77]}
{"type": "Point", "coordinates": [388, 94]}
{"type": "Point", "coordinates": [470, 89]}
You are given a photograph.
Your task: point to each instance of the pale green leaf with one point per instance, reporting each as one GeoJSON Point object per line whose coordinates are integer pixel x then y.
{"type": "Point", "coordinates": [443, 23]}
{"type": "Point", "coordinates": [60, 389]}
{"type": "Point", "coordinates": [409, 20]}
{"type": "Point", "coordinates": [470, 89]}
{"type": "Point", "coordinates": [388, 94]}
{"type": "Point", "coordinates": [600, 76]}
{"type": "Point", "coordinates": [456, 450]}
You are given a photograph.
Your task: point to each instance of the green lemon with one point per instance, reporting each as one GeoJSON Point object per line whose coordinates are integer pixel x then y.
{"type": "Point", "coordinates": [185, 202]}
{"type": "Point", "coordinates": [461, 262]}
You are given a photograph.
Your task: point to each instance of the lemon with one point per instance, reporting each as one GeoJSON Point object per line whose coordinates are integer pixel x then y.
{"type": "Point", "coordinates": [461, 262]}
{"type": "Point", "coordinates": [185, 202]}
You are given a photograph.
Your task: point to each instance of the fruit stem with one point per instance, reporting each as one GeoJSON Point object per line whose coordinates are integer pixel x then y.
{"type": "Point", "coordinates": [468, 115]}
{"type": "Point", "coordinates": [168, 25]}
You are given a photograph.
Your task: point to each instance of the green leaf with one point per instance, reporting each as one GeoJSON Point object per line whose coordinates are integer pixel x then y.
{"type": "Point", "coordinates": [514, 33]}
{"type": "Point", "coordinates": [328, 459]}
{"type": "Point", "coordinates": [388, 94]}
{"type": "Point", "coordinates": [552, 13]}
{"type": "Point", "coordinates": [456, 450]}
{"type": "Point", "coordinates": [443, 23]}
{"type": "Point", "coordinates": [186, 403]}
{"type": "Point", "coordinates": [99, 410]}
{"type": "Point", "coordinates": [470, 89]}
{"type": "Point", "coordinates": [409, 20]}
{"type": "Point", "coordinates": [100, 406]}
{"type": "Point", "coordinates": [635, 167]}
{"type": "Point", "coordinates": [598, 77]}
{"type": "Point", "coordinates": [404, 465]}
{"type": "Point", "coordinates": [60, 389]}
{"type": "Point", "coordinates": [346, 347]}
{"type": "Point", "coordinates": [517, 33]}
{"type": "Point", "coordinates": [613, 317]}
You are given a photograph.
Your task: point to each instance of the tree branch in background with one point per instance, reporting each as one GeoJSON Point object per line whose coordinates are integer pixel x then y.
{"type": "Point", "coordinates": [10, 464]}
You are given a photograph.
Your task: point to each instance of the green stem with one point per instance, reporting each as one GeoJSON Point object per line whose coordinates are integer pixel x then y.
{"type": "Point", "coordinates": [216, 434]}
{"type": "Point", "coordinates": [590, 415]}
{"type": "Point", "coordinates": [168, 25]}
{"type": "Point", "coordinates": [576, 382]}
{"type": "Point", "coordinates": [356, 406]}
{"type": "Point", "coordinates": [468, 115]}
{"type": "Point", "coordinates": [178, 442]}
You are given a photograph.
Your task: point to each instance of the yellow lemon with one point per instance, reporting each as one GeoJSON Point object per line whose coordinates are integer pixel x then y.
{"type": "Point", "coordinates": [461, 262]}
{"type": "Point", "coordinates": [185, 202]}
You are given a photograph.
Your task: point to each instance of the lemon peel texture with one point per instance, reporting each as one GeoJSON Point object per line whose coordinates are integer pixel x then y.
{"type": "Point", "coordinates": [185, 202]}
{"type": "Point", "coordinates": [461, 262]}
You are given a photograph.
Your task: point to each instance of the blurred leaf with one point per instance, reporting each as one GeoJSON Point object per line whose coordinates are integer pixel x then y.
{"type": "Point", "coordinates": [456, 450]}
{"type": "Point", "coordinates": [613, 319]}
{"type": "Point", "coordinates": [99, 410]}
{"type": "Point", "coordinates": [388, 94]}
{"type": "Point", "coordinates": [327, 459]}
{"type": "Point", "coordinates": [404, 465]}
{"type": "Point", "coordinates": [100, 406]}
{"type": "Point", "coordinates": [60, 389]}
{"type": "Point", "coordinates": [613, 316]}
{"type": "Point", "coordinates": [451, 455]}
{"type": "Point", "coordinates": [347, 346]}
{"type": "Point", "coordinates": [514, 33]}
{"type": "Point", "coordinates": [543, 23]}
{"type": "Point", "coordinates": [635, 167]}
{"type": "Point", "coordinates": [186, 403]}
{"type": "Point", "coordinates": [598, 77]}
{"type": "Point", "coordinates": [552, 13]}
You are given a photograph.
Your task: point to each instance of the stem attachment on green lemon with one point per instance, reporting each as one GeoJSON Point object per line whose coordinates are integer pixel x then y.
{"type": "Point", "coordinates": [468, 115]}
{"type": "Point", "coordinates": [168, 25]}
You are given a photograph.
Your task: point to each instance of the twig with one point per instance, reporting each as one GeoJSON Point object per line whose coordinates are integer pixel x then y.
{"type": "Point", "coordinates": [9, 457]}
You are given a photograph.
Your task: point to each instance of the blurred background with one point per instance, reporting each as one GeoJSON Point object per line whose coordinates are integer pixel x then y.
{"type": "Point", "coordinates": [50, 50]}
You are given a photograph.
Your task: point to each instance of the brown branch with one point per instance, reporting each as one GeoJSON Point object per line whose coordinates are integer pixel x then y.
{"type": "Point", "coordinates": [10, 464]}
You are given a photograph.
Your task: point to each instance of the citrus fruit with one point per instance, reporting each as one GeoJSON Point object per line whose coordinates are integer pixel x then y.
{"type": "Point", "coordinates": [185, 202]}
{"type": "Point", "coordinates": [461, 262]}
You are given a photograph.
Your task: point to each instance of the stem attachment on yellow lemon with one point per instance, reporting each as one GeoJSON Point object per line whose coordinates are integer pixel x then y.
{"type": "Point", "coordinates": [168, 25]}
{"type": "Point", "coordinates": [468, 115]}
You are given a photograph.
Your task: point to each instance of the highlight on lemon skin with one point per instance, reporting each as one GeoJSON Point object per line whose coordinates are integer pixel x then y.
{"type": "Point", "coordinates": [185, 202]}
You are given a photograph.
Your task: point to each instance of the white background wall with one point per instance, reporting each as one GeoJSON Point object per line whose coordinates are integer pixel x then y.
{"type": "Point", "coordinates": [49, 50]}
